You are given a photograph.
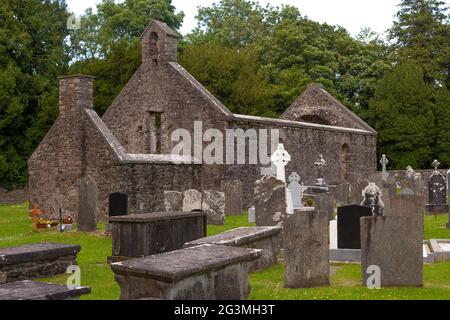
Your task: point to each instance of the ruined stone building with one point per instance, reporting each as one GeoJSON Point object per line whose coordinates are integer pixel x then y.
{"type": "Point", "coordinates": [128, 149]}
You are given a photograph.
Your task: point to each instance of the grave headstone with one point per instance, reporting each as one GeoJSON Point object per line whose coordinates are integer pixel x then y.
{"type": "Point", "coordinates": [118, 204]}
{"type": "Point", "coordinates": [404, 205]}
{"type": "Point", "coordinates": [306, 249]}
{"type": "Point", "coordinates": [395, 245]}
{"type": "Point", "coordinates": [192, 200]}
{"type": "Point", "coordinates": [349, 225]}
{"type": "Point", "coordinates": [296, 190]}
{"type": "Point", "coordinates": [325, 202]}
{"type": "Point", "coordinates": [384, 162]}
{"type": "Point", "coordinates": [437, 191]}
{"type": "Point", "coordinates": [280, 159]}
{"type": "Point", "coordinates": [251, 215]}
{"type": "Point", "coordinates": [173, 201]}
{"type": "Point", "coordinates": [87, 205]}
{"type": "Point", "coordinates": [270, 201]}
{"type": "Point", "coordinates": [233, 197]}
{"type": "Point", "coordinates": [333, 234]}
{"type": "Point", "coordinates": [213, 204]}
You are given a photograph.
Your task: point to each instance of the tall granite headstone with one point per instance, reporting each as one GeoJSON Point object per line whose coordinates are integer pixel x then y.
{"type": "Point", "coordinates": [233, 197]}
{"type": "Point", "coordinates": [395, 245]}
{"type": "Point", "coordinates": [270, 201]}
{"type": "Point", "coordinates": [87, 205]}
{"type": "Point", "coordinates": [296, 190]}
{"type": "Point", "coordinates": [349, 225]}
{"type": "Point", "coordinates": [306, 249]}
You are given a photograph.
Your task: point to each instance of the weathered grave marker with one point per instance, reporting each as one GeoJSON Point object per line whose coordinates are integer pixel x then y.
{"type": "Point", "coordinates": [395, 245]}
{"type": "Point", "coordinates": [87, 205]}
{"type": "Point", "coordinates": [306, 249]}
{"type": "Point", "coordinates": [437, 191]}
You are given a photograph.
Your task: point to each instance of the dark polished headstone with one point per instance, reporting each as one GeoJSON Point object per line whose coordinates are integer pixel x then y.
{"type": "Point", "coordinates": [349, 236]}
{"type": "Point", "coordinates": [118, 204]}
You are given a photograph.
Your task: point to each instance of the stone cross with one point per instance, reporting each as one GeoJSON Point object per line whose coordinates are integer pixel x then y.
{"type": "Point", "coordinates": [384, 162]}
{"type": "Point", "coordinates": [320, 164]}
{"type": "Point", "coordinates": [436, 164]}
{"type": "Point", "coordinates": [280, 159]}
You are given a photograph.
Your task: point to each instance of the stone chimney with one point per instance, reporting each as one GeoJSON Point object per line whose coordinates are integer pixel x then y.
{"type": "Point", "coordinates": [75, 92]}
{"type": "Point", "coordinates": [159, 43]}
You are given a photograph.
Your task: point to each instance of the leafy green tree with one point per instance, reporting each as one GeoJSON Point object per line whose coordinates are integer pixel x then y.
{"type": "Point", "coordinates": [442, 121]}
{"type": "Point", "coordinates": [422, 33]}
{"type": "Point", "coordinates": [33, 53]}
{"type": "Point", "coordinates": [401, 112]}
{"type": "Point", "coordinates": [232, 75]}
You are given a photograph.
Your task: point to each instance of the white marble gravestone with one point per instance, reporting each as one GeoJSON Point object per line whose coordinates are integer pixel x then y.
{"type": "Point", "coordinates": [296, 190]}
{"type": "Point", "coordinates": [280, 159]}
{"type": "Point", "coordinates": [333, 234]}
{"type": "Point", "coordinates": [251, 215]}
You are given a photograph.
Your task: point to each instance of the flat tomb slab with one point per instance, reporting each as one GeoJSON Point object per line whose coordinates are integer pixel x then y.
{"type": "Point", "coordinates": [156, 216]}
{"type": "Point", "coordinates": [31, 290]}
{"type": "Point", "coordinates": [36, 261]}
{"type": "Point", "coordinates": [36, 252]}
{"type": "Point", "coordinates": [142, 235]}
{"type": "Point", "coordinates": [204, 272]}
{"type": "Point", "coordinates": [264, 238]}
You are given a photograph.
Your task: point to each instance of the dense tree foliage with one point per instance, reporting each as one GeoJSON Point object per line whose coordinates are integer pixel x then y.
{"type": "Point", "coordinates": [402, 113]}
{"type": "Point", "coordinates": [33, 54]}
{"type": "Point", "coordinates": [255, 59]}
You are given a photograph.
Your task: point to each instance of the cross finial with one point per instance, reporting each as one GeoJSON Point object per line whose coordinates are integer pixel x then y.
{"type": "Point", "coordinates": [436, 164]}
{"type": "Point", "coordinates": [384, 161]}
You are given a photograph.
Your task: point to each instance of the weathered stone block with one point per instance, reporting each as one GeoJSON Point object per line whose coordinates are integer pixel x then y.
{"type": "Point", "coordinates": [263, 238]}
{"type": "Point", "coordinates": [141, 235]}
{"type": "Point", "coordinates": [270, 197]}
{"type": "Point", "coordinates": [41, 260]}
{"type": "Point", "coordinates": [205, 272]}
{"type": "Point", "coordinates": [325, 202]}
{"type": "Point", "coordinates": [173, 201]}
{"type": "Point", "coordinates": [306, 249]}
{"type": "Point", "coordinates": [395, 245]}
{"type": "Point", "coordinates": [233, 197]}
{"type": "Point", "coordinates": [213, 204]}
{"type": "Point", "coordinates": [30, 290]}
{"type": "Point", "coordinates": [192, 200]}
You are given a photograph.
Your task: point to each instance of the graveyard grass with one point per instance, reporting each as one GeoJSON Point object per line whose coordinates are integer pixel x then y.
{"type": "Point", "coordinates": [15, 229]}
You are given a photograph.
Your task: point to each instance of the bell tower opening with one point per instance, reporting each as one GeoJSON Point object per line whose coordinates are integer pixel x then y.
{"type": "Point", "coordinates": [314, 119]}
{"type": "Point", "coordinates": [154, 47]}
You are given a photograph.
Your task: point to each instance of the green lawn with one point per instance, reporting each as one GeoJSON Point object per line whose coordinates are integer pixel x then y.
{"type": "Point", "coordinates": [15, 229]}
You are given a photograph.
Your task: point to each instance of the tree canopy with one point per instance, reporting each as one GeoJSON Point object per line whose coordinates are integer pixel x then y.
{"type": "Point", "coordinates": [256, 59]}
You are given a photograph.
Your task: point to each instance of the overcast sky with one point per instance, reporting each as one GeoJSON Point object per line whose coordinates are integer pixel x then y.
{"type": "Point", "coordinates": [351, 14]}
